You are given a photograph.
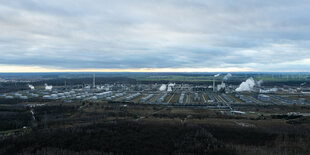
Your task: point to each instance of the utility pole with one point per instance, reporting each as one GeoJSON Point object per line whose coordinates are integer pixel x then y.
{"type": "Point", "coordinates": [213, 84]}
{"type": "Point", "coordinates": [94, 80]}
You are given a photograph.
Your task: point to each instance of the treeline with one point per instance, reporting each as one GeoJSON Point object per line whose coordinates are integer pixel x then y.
{"type": "Point", "coordinates": [77, 81]}
{"type": "Point", "coordinates": [288, 83]}
{"type": "Point", "coordinates": [18, 86]}
{"type": "Point", "coordinates": [18, 100]}
{"type": "Point", "coordinates": [229, 82]}
{"type": "Point", "coordinates": [12, 86]}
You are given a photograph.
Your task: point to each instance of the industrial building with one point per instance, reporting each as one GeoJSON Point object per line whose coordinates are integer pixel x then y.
{"type": "Point", "coordinates": [181, 98]}
{"type": "Point", "coordinates": [196, 97]}
{"type": "Point", "coordinates": [263, 97]}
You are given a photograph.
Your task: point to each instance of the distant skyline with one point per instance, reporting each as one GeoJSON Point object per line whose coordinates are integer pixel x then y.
{"type": "Point", "coordinates": [154, 36]}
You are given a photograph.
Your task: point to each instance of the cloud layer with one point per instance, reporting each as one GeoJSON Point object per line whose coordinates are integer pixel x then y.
{"type": "Point", "coordinates": [108, 34]}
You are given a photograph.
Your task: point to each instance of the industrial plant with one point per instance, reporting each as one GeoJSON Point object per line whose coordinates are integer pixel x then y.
{"type": "Point", "coordinates": [217, 95]}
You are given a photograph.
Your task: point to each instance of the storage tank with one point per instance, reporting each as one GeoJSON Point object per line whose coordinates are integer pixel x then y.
{"type": "Point", "coordinates": [162, 98]}
{"type": "Point", "coordinates": [181, 98]}
{"type": "Point", "coordinates": [144, 99]}
{"type": "Point", "coordinates": [9, 97]}
{"type": "Point", "coordinates": [34, 95]}
{"type": "Point", "coordinates": [46, 97]}
{"type": "Point", "coordinates": [23, 97]}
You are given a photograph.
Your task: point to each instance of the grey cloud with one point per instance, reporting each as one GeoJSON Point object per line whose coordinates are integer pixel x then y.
{"type": "Point", "coordinates": [154, 34]}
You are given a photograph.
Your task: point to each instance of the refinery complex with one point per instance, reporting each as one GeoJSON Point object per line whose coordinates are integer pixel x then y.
{"type": "Point", "coordinates": [217, 95]}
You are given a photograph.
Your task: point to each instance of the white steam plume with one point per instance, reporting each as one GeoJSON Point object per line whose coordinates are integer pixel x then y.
{"type": "Point", "coordinates": [217, 75]}
{"type": "Point", "coordinates": [47, 87]}
{"type": "Point", "coordinates": [163, 87]}
{"type": "Point", "coordinates": [248, 85]}
{"type": "Point", "coordinates": [260, 82]}
{"type": "Point", "coordinates": [31, 86]}
{"type": "Point", "coordinates": [226, 77]}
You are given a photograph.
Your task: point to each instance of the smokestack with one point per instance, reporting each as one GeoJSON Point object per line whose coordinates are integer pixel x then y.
{"type": "Point", "coordinates": [94, 80]}
{"type": "Point", "coordinates": [214, 81]}
{"type": "Point", "coordinates": [213, 84]}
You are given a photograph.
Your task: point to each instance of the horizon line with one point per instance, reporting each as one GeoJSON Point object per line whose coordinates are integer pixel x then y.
{"type": "Point", "coordinates": [40, 69]}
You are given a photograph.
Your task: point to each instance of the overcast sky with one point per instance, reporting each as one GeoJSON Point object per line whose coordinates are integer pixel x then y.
{"type": "Point", "coordinates": [155, 35]}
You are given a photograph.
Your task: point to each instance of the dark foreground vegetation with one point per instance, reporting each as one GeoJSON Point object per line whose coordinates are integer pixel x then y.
{"type": "Point", "coordinates": [120, 138]}
{"type": "Point", "coordinates": [111, 128]}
